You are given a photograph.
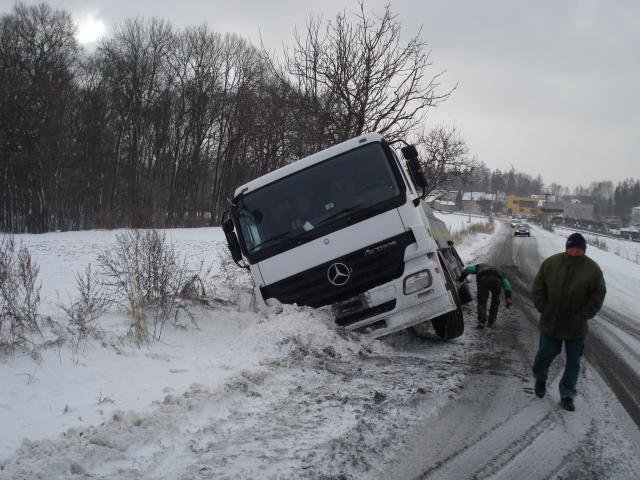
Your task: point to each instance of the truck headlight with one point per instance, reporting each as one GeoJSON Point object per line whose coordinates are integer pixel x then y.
{"type": "Point", "coordinates": [417, 281]}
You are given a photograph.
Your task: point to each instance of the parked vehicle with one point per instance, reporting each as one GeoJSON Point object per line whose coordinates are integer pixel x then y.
{"type": "Point", "coordinates": [522, 230]}
{"type": "Point", "coordinates": [349, 227]}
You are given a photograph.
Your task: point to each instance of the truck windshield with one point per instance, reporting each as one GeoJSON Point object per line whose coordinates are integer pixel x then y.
{"type": "Point", "coordinates": [323, 198]}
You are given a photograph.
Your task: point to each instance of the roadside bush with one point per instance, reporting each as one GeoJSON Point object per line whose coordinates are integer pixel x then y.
{"type": "Point", "coordinates": [488, 227]}
{"type": "Point", "coordinates": [19, 293]}
{"type": "Point", "coordinates": [472, 229]}
{"type": "Point", "coordinates": [145, 275]}
{"type": "Point", "coordinates": [91, 303]}
{"type": "Point", "coordinates": [231, 284]}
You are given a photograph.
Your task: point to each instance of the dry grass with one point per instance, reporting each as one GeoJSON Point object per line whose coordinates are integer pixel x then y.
{"type": "Point", "coordinates": [19, 294]}
{"type": "Point", "coordinates": [84, 311]}
{"type": "Point", "coordinates": [145, 275]}
{"type": "Point", "coordinates": [473, 229]}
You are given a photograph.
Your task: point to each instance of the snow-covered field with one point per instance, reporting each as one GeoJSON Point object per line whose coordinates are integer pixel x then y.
{"type": "Point", "coordinates": [235, 363]}
{"type": "Point", "coordinates": [237, 395]}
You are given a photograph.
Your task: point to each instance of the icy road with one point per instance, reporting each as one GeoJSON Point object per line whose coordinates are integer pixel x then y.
{"type": "Point", "coordinates": [497, 428]}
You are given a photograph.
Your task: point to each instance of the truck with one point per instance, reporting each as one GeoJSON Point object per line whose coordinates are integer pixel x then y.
{"type": "Point", "coordinates": [348, 227]}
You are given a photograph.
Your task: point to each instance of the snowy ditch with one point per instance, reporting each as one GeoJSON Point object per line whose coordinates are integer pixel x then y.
{"type": "Point", "coordinates": [281, 401]}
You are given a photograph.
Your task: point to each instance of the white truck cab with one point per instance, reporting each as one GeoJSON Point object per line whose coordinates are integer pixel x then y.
{"type": "Point", "coordinates": [347, 227]}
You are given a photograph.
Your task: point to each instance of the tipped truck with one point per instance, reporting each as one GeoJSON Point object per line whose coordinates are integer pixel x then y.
{"type": "Point", "coordinates": [348, 227]}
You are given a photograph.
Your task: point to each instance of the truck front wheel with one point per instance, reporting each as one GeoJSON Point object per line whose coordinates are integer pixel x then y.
{"type": "Point", "coordinates": [450, 325]}
{"type": "Point", "coordinates": [447, 326]}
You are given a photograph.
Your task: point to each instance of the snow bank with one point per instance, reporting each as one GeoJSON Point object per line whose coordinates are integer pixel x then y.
{"type": "Point", "coordinates": [268, 395]}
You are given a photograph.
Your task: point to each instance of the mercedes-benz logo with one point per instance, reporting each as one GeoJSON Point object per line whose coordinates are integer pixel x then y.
{"type": "Point", "coordinates": [338, 274]}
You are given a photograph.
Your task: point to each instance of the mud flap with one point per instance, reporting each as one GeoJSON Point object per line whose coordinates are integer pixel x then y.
{"type": "Point", "coordinates": [464, 294]}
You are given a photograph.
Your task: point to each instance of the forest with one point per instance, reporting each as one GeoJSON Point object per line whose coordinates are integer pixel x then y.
{"type": "Point", "coordinates": [157, 126]}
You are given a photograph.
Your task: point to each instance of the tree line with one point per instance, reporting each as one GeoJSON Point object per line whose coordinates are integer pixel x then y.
{"type": "Point", "coordinates": [608, 199]}
{"type": "Point", "coordinates": [158, 125]}
{"type": "Point", "coordinates": [511, 182]}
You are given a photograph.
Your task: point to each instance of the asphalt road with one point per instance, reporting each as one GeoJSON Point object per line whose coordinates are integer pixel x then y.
{"type": "Point", "coordinates": [605, 350]}
{"type": "Point", "coordinates": [497, 428]}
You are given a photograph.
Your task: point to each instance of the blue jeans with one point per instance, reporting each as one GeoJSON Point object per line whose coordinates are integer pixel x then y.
{"type": "Point", "coordinates": [548, 349]}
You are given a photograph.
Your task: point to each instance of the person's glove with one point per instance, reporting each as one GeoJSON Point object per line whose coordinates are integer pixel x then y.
{"type": "Point", "coordinates": [507, 302]}
{"type": "Point", "coordinates": [461, 277]}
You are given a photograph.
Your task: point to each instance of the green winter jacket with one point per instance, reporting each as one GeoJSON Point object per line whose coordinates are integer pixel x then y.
{"type": "Point", "coordinates": [486, 270]}
{"type": "Point", "coordinates": [567, 291]}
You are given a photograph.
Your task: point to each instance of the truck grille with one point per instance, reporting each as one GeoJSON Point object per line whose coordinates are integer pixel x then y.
{"type": "Point", "coordinates": [354, 317]}
{"type": "Point", "coordinates": [367, 268]}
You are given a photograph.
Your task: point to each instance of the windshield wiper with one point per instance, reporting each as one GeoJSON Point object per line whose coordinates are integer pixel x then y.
{"type": "Point", "coordinates": [348, 211]}
{"type": "Point", "coordinates": [298, 235]}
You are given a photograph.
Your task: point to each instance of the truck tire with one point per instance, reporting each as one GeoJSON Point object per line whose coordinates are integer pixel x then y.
{"type": "Point", "coordinates": [422, 330]}
{"type": "Point", "coordinates": [450, 325]}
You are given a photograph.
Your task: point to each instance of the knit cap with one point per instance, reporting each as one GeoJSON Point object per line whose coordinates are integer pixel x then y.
{"type": "Point", "coordinates": [576, 240]}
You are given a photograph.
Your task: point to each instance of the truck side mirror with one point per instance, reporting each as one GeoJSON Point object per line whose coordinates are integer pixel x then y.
{"type": "Point", "coordinates": [410, 153]}
{"type": "Point", "coordinates": [232, 240]}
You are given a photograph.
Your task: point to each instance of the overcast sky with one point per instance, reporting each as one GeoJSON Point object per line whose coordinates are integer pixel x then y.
{"type": "Point", "coordinates": [550, 87]}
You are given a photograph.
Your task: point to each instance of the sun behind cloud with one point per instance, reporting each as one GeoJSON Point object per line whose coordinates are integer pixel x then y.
{"type": "Point", "coordinates": [90, 28]}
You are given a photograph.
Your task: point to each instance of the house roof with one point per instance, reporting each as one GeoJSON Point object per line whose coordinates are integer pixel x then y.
{"type": "Point", "coordinates": [468, 196]}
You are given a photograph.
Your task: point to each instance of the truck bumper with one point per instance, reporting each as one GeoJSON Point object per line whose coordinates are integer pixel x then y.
{"type": "Point", "coordinates": [409, 310]}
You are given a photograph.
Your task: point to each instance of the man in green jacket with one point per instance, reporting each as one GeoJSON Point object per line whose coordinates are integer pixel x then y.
{"type": "Point", "coordinates": [490, 280]}
{"type": "Point", "coordinates": [568, 290]}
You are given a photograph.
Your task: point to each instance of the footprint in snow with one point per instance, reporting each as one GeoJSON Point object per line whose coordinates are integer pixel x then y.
{"type": "Point", "coordinates": [178, 370]}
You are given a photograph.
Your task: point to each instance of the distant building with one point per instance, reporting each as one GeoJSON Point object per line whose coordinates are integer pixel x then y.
{"type": "Point", "coordinates": [630, 233]}
{"type": "Point", "coordinates": [523, 205]}
{"type": "Point", "coordinates": [613, 223]}
{"type": "Point", "coordinates": [552, 212]}
{"type": "Point", "coordinates": [635, 216]}
{"type": "Point", "coordinates": [478, 202]}
{"type": "Point", "coordinates": [444, 205]}
{"type": "Point", "coordinates": [546, 197]}
{"type": "Point", "coordinates": [579, 211]}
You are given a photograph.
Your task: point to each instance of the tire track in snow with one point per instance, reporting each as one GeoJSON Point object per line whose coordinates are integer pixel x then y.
{"type": "Point", "coordinates": [622, 379]}
{"type": "Point", "coordinates": [509, 450]}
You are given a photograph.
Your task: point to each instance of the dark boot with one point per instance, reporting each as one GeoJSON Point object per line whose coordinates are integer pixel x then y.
{"type": "Point", "coordinates": [567, 404]}
{"type": "Point", "coordinates": [540, 388]}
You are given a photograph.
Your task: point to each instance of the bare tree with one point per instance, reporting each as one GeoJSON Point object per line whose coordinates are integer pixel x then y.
{"type": "Point", "coordinates": [157, 126]}
{"type": "Point", "coordinates": [445, 157]}
{"type": "Point", "coordinates": [357, 75]}
{"type": "Point", "coordinates": [37, 60]}
{"type": "Point", "coordinates": [133, 59]}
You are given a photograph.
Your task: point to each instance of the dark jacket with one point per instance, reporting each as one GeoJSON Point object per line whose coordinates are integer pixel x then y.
{"type": "Point", "coordinates": [484, 271]}
{"type": "Point", "coordinates": [568, 291]}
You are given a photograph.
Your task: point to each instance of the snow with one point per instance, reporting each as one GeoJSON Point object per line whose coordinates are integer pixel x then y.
{"type": "Point", "coordinates": [239, 394]}
{"type": "Point", "coordinates": [457, 222]}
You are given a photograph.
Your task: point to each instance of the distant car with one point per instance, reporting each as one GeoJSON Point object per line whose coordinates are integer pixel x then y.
{"type": "Point", "coordinates": [522, 230]}
{"type": "Point", "coordinates": [514, 223]}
